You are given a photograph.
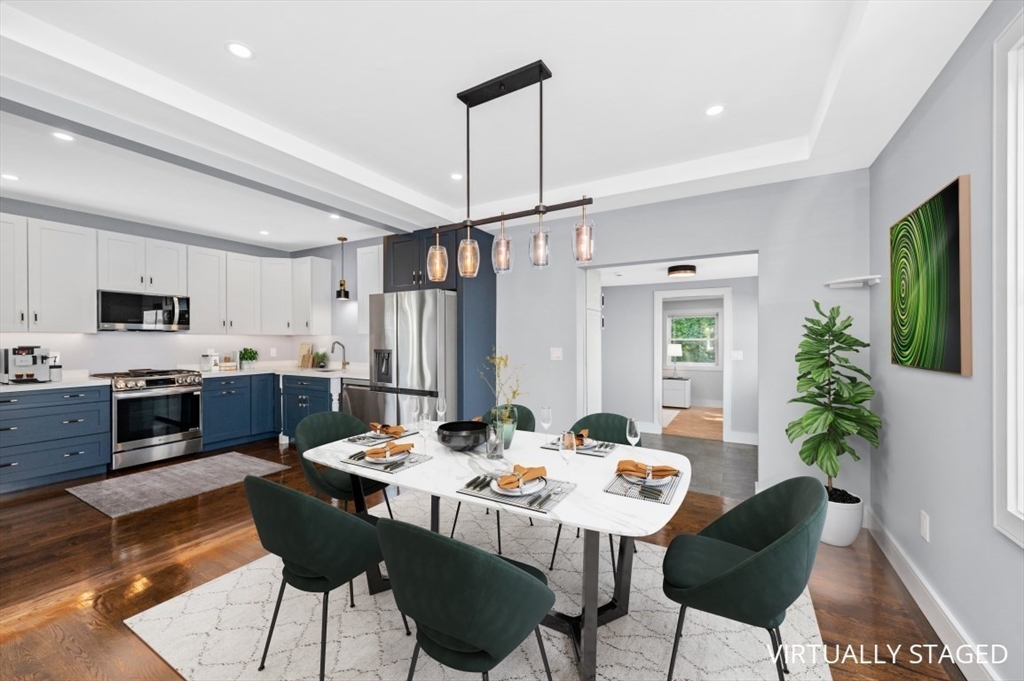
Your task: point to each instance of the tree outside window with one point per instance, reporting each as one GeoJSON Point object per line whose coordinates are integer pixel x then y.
{"type": "Point", "coordinates": [697, 338]}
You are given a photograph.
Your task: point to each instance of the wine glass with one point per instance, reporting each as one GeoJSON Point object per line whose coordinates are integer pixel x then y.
{"type": "Point", "coordinates": [545, 418]}
{"type": "Point", "coordinates": [632, 432]}
{"type": "Point", "coordinates": [441, 407]}
{"type": "Point", "coordinates": [414, 412]}
{"type": "Point", "coordinates": [567, 442]}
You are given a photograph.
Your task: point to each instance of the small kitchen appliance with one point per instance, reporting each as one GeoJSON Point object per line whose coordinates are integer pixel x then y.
{"type": "Point", "coordinates": [26, 364]}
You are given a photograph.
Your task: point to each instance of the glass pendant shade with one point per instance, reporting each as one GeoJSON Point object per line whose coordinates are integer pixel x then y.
{"type": "Point", "coordinates": [502, 254]}
{"type": "Point", "coordinates": [469, 257]}
{"type": "Point", "coordinates": [437, 261]}
{"type": "Point", "coordinates": [539, 251]}
{"type": "Point", "coordinates": [583, 241]}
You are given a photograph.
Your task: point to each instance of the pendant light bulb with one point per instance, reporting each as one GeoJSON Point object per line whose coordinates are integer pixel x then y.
{"type": "Point", "coordinates": [501, 251]}
{"type": "Point", "coordinates": [539, 248]}
{"type": "Point", "coordinates": [437, 260]}
{"type": "Point", "coordinates": [583, 239]}
{"type": "Point", "coordinates": [469, 256]}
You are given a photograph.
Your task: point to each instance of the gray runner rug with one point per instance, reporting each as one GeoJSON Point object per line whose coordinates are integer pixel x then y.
{"type": "Point", "coordinates": [132, 493]}
{"type": "Point", "coordinates": [216, 631]}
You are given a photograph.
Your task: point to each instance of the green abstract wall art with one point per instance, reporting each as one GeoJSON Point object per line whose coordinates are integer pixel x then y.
{"type": "Point", "coordinates": [930, 279]}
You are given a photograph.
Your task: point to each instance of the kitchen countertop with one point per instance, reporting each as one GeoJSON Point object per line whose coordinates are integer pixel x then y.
{"type": "Point", "coordinates": [354, 372]}
{"type": "Point", "coordinates": [72, 379]}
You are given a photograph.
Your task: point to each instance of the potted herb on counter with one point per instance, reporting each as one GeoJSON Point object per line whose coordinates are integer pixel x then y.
{"type": "Point", "coordinates": [320, 360]}
{"type": "Point", "coordinates": [836, 389]}
{"type": "Point", "coordinates": [247, 358]}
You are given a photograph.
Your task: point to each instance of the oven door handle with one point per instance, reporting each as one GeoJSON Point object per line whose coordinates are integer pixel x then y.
{"type": "Point", "coordinates": [156, 392]}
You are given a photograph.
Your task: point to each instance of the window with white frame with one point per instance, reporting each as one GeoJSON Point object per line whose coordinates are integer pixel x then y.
{"type": "Point", "coordinates": [692, 341]}
{"type": "Point", "coordinates": [1008, 268]}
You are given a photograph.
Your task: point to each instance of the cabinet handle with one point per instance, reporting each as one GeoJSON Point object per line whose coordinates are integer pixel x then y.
{"type": "Point", "coordinates": [228, 392]}
{"type": "Point", "coordinates": [228, 383]}
{"type": "Point", "coordinates": [151, 281]}
{"type": "Point", "coordinates": [307, 324]}
{"type": "Point", "coordinates": [73, 454]}
{"type": "Point", "coordinates": [22, 315]}
{"type": "Point", "coordinates": [74, 421]}
{"type": "Point", "coordinates": [11, 464]}
{"type": "Point", "coordinates": [35, 317]}
{"type": "Point", "coordinates": [223, 322]}
{"type": "Point", "coordinates": [8, 401]}
{"type": "Point", "coordinates": [78, 395]}
{"type": "Point", "coordinates": [231, 323]}
{"type": "Point", "coordinates": [142, 280]}
{"type": "Point", "coordinates": [301, 383]}
{"type": "Point", "coordinates": [289, 325]}
{"type": "Point", "coordinates": [9, 428]}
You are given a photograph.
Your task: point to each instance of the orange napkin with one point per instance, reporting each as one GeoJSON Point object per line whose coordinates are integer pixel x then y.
{"type": "Point", "coordinates": [388, 450]}
{"type": "Point", "coordinates": [524, 475]}
{"type": "Point", "coordinates": [581, 437]}
{"type": "Point", "coordinates": [478, 419]}
{"type": "Point", "coordinates": [384, 429]}
{"type": "Point", "coordinates": [640, 469]}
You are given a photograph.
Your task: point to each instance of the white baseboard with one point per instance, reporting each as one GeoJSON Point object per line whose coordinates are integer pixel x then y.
{"type": "Point", "coordinates": [648, 427]}
{"type": "Point", "coordinates": [935, 611]}
{"type": "Point", "coordinates": [713, 404]}
{"type": "Point", "coordinates": [739, 437]}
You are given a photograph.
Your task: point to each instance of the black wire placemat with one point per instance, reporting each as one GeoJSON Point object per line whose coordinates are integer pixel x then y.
{"type": "Point", "coordinates": [394, 467]}
{"type": "Point", "coordinates": [624, 488]}
{"type": "Point", "coordinates": [542, 501]}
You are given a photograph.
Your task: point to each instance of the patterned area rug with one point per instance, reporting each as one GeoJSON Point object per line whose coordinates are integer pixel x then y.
{"type": "Point", "coordinates": [217, 631]}
{"type": "Point", "coordinates": [126, 494]}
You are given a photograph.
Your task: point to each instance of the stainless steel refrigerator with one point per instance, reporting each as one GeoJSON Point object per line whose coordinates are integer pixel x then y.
{"type": "Point", "coordinates": [413, 354]}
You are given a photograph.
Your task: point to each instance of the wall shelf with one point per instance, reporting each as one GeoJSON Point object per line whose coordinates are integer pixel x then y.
{"type": "Point", "coordinates": [865, 281]}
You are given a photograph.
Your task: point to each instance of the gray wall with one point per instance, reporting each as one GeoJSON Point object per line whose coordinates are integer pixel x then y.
{"type": "Point", "coordinates": [628, 342]}
{"type": "Point", "coordinates": [706, 389]}
{"type": "Point", "coordinates": [937, 441]}
{"type": "Point", "coordinates": [806, 232]}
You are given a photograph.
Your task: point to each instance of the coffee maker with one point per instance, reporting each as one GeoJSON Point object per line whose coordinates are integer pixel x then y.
{"type": "Point", "coordinates": [25, 364]}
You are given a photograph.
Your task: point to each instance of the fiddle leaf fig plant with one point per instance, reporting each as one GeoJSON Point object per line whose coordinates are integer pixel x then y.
{"type": "Point", "coordinates": [836, 390]}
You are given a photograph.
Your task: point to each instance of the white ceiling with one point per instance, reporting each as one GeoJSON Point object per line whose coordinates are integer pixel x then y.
{"type": "Point", "coordinates": [724, 267]}
{"type": "Point", "coordinates": [358, 99]}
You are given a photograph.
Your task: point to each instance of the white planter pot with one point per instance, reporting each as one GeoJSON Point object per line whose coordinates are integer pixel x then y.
{"type": "Point", "coordinates": [842, 523]}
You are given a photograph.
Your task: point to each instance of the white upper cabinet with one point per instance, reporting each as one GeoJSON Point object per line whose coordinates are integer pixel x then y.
{"type": "Point", "coordinates": [62, 278]}
{"type": "Point", "coordinates": [166, 268]}
{"type": "Point", "coordinates": [369, 280]}
{"type": "Point", "coordinates": [276, 296]}
{"type": "Point", "coordinates": [136, 264]}
{"type": "Point", "coordinates": [121, 262]}
{"type": "Point", "coordinates": [243, 293]}
{"type": "Point", "coordinates": [207, 282]}
{"type": "Point", "coordinates": [13, 273]}
{"type": "Point", "coordinates": [311, 296]}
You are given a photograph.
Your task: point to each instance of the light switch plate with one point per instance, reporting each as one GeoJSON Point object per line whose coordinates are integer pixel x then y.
{"type": "Point", "coordinates": [556, 354]}
{"type": "Point", "coordinates": [925, 527]}
{"type": "Point", "coordinates": [273, 352]}
{"type": "Point", "coordinates": [737, 355]}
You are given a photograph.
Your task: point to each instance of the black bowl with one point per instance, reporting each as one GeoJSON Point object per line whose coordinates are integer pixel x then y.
{"type": "Point", "coordinates": [462, 435]}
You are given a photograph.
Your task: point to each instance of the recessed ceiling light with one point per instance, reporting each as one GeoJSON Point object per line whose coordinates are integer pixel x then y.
{"type": "Point", "coordinates": [9, 177]}
{"type": "Point", "coordinates": [715, 110]}
{"type": "Point", "coordinates": [63, 136]}
{"type": "Point", "coordinates": [239, 50]}
{"type": "Point", "coordinates": [264, 232]}
{"type": "Point", "coordinates": [335, 216]}
{"type": "Point", "coordinates": [456, 176]}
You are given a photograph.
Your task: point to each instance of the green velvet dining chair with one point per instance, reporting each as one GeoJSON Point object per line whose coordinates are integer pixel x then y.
{"type": "Point", "coordinates": [471, 608]}
{"type": "Point", "coordinates": [606, 427]}
{"type": "Point", "coordinates": [525, 421]}
{"type": "Point", "coordinates": [751, 564]}
{"type": "Point", "coordinates": [322, 547]}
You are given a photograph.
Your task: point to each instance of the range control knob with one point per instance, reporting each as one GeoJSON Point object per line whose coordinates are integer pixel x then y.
{"type": "Point", "coordinates": [132, 384]}
{"type": "Point", "coordinates": [119, 385]}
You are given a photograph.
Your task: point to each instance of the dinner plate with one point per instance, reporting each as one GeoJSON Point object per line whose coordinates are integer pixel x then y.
{"type": "Point", "coordinates": [387, 459]}
{"type": "Point", "coordinates": [378, 436]}
{"type": "Point", "coordinates": [653, 482]}
{"type": "Point", "coordinates": [532, 487]}
{"type": "Point", "coordinates": [587, 444]}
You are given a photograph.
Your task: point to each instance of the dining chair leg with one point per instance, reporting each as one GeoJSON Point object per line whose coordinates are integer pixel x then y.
{"type": "Point", "coordinates": [273, 621]}
{"type": "Point", "coordinates": [777, 654]}
{"type": "Point", "coordinates": [406, 623]}
{"type": "Point", "coordinates": [531, 521]}
{"type": "Point", "coordinates": [555, 551]}
{"type": "Point", "coordinates": [457, 509]}
{"type": "Point", "coordinates": [351, 594]}
{"type": "Point", "coordinates": [387, 502]}
{"type": "Point", "coordinates": [778, 635]}
{"type": "Point", "coordinates": [543, 654]}
{"type": "Point", "coordinates": [611, 546]}
{"type": "Point", "coordinates": [577, 533]}
{"type": "Point", "coordinates": [497, 514]}
{"type": "Point", "coordinates": [675, 644]}
{"type": "Point", "coordinates": [485, 673]}
{"type": "Point", "coordinates": [412, 665]}
{"type": "Point", "coordinates": [323, 639]}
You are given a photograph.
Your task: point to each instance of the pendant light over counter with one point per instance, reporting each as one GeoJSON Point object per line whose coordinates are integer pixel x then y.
{"type": "Point", "coordinates": [342, 292]}
{"type": "Point", "coordinates": [540, 237]}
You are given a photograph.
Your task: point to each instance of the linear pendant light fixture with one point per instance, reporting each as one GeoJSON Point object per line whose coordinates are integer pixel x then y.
{"type": "Point", "coordinates": [501, 250]}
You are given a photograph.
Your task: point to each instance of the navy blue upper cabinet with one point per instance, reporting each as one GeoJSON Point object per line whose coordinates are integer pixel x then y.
{"type": "Point", "coordinates": [266, 405]}
{"type": "Point", "coordinates": [404, 262]}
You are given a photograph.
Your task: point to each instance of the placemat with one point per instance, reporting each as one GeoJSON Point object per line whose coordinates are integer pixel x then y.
{"type": "Point", "coordinates": [365, 439]}
{"type": "Point", "coordinates": [553, 493]}
{"type": "Point", "coordinates": [600, 453]}
{"type": "Point", "coordinates": [619, 485]}
{"type": "Point", "coordinates": [413, 460]}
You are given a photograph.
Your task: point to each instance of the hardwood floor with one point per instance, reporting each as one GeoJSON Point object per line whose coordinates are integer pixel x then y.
{"type": "Point", "coordinates": [700, 422]}
{"type": "Point", "coordinates": [70, 576]}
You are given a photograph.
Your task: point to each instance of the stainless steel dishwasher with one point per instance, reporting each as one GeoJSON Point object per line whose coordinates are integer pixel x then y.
{"type": "Point", "coordinates": [358, 400]}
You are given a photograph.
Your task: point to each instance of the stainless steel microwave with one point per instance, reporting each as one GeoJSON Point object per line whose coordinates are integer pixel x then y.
{"type": "Point", "coordinates": [142, 312]}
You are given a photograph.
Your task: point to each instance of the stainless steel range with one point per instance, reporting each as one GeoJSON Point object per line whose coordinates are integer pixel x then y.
{"type": "Point", "coordinates": [157, 414]}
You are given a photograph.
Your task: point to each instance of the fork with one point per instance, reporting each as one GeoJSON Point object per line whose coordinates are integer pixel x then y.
{"type": "Point", "coordinates": [540, 501]}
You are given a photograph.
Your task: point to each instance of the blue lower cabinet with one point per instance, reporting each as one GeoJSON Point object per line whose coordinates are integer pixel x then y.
{"type": "Point", "coordinates": [266, 405]}
{"type": "Point", "coordinates": [53, 435]}
{"type": "Point", "coordinates": [240, 408]}
{"type": "Point", "coordinates": [303, 397]}
{"type": "Point", "coordinates": [227, 415]}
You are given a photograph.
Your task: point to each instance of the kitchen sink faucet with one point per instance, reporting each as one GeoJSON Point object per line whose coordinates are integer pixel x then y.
{"type": "Point", "coordinates": [344, 362]}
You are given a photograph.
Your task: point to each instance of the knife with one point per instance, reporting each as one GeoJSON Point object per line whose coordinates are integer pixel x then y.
{"type": "Point", "coordinates": [395, 466]}
{"type": "Point", "coordinates": [540, 501]}
{"type": "Point", "coordinates": [358, 456]}
{"type": "Point", "coordinates": [472, 483]}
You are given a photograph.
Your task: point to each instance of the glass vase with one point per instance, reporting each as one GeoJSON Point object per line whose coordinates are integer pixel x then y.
{"type": "Point", "coordinates": [505, 419]}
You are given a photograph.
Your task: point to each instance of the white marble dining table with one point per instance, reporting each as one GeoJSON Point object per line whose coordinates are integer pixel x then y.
{"type": "Point", "coordinates": [588, 507]}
